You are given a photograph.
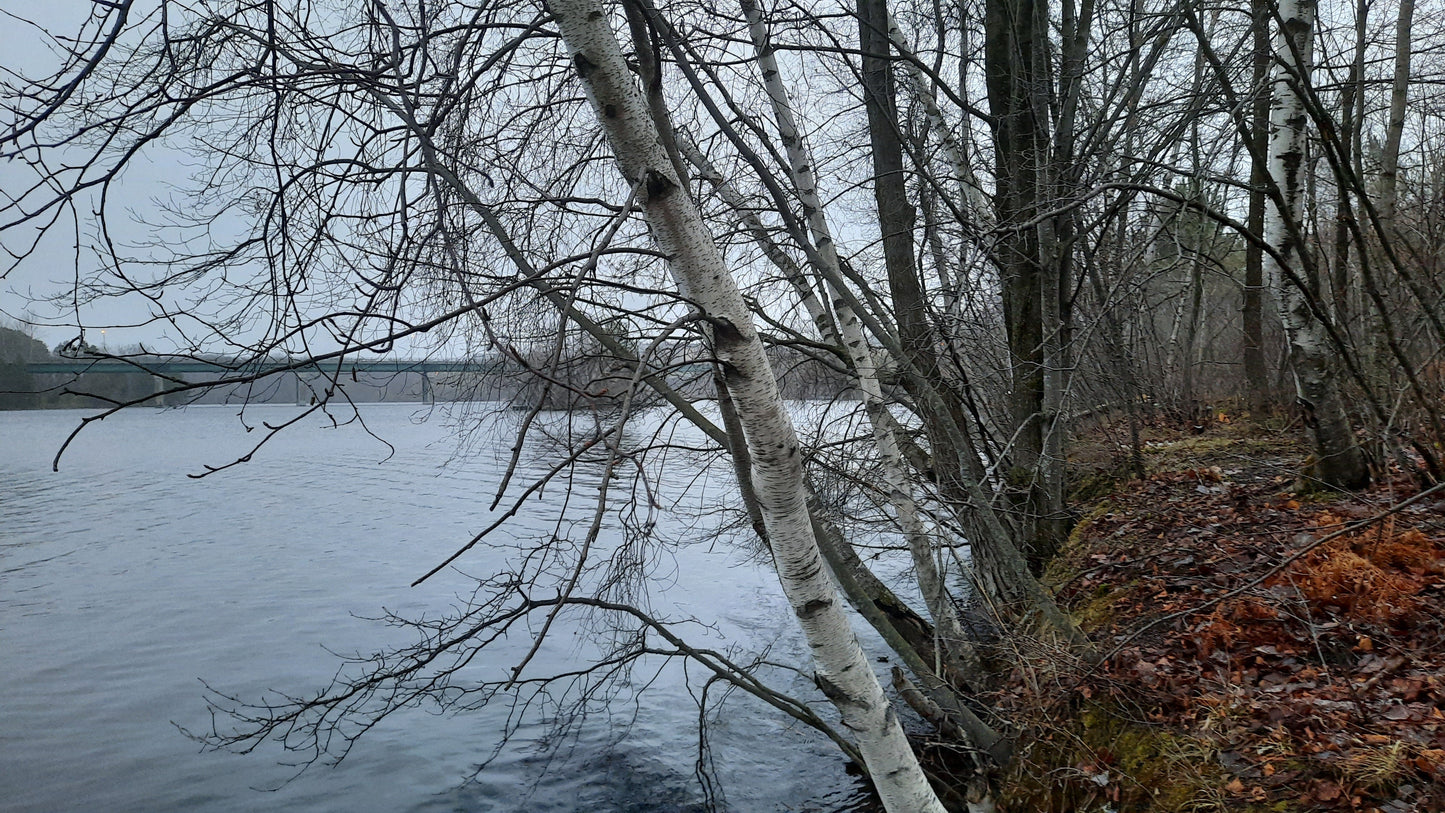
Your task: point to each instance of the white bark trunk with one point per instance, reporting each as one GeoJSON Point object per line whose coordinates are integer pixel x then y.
{"type": "Point", "coordinates": [748, 221]}
{"type": "Point", "coordinates": [855, 343]}
{"type": "Point", "coordinates": [970, 190]}
{"type": "Point", "coordinates": [1340, 461]}
{"type": "Point", "coordinates": [843, 671]}
{"type": "Point", "coordinates": [1013, 579]}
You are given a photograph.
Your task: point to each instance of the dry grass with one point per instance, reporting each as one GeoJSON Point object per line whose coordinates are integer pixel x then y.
{"type": "Point", "coordinates": [1378, 768]}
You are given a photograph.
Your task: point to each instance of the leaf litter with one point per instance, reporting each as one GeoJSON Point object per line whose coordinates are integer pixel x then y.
{"type": "Point", "coordinates": [1300, 642]}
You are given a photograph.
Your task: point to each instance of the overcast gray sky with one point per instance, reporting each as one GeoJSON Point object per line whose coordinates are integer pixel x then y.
{"type": "Point", "coordinates": [26, 293]}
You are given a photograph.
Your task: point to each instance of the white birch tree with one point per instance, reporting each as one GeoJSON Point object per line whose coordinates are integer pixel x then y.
{"type": "Point", "coordinates": [843, 671]}
{"type": "Point", "coordinates": [1341, 463]}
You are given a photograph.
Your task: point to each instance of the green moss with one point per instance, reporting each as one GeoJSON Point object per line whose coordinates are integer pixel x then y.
{"type": "Point", "coordinates": [1066, 564]}
{"type": "Point", "coordinates": [1096, 611]}
{"type": "Point", "coordinates": [1081, 528]}
{"type": "Point", "coordinates": [1091, 485]}
{"type": "Point", "coordinates": [1019, 478]}
{"type": "Point", "coordinates": [1148, 768]}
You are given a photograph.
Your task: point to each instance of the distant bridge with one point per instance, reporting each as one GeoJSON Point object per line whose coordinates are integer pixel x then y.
{"type": "Point", "coordinates": [171, 367]}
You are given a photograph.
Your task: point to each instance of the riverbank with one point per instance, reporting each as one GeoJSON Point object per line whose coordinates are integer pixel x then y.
{"type": "Point", "coordinates": [1262, 648]}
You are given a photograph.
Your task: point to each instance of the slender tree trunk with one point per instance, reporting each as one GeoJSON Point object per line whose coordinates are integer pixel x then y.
{"type": "Point", "coordinates": [1057, 238]}
{"type": "Point", "coordinates": [1118, 356]}
{"type": "Point", "coordinates": [1199, 237]}
{"type": "Point", "coordinates": [1348, 130]}
{"type": "Point", "coordinates": [1395, 128]}
{"type": "Point", "coordinates": [843, 671]}
{"type": "Point", "coordinates": [860, 357]}
{"type": "Point", "coordinates": [1256, 375]}
{"type": "Point", "coordinates": [651, 74]}
{"type": "Point", "coordinates": [1188, 385]}
{"type": "Point", "coordinates": [905, 632]}
{"type": "Point", "coordinates": [941, 409]}
{"type": "Point", "coordinates": [1020, 149]}
{"type": "Point", "coordinates": [970, 191]}
{"type": "Point", "coordinates": [1340, 461]}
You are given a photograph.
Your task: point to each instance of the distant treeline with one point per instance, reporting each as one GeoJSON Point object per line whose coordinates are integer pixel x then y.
{"type": "Point", "coordinates": [18, 388]}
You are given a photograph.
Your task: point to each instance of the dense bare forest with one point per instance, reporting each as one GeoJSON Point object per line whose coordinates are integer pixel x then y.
{"type": "Point", "coordinates": [1003, 232]}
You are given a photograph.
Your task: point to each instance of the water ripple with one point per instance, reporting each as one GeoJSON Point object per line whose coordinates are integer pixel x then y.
{"type": "Point", "coordinates": [123, 581]}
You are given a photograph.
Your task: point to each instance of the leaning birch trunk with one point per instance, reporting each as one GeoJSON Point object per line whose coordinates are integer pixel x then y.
{"type": "Point", "coordinates": [1011, 576]}
{"type": "Point", "coordinates": [971, 191]}
{"type": "Point", "coordinates": [860, 355]}
{"type": "Point", "coordinates": [861, 588]}
{"type": "Point", "coordinates": [843, 671]}
{"type": "Point", "coordinates": [747, 221]}
{"type": "Point", "coordinates": [1340, 463]}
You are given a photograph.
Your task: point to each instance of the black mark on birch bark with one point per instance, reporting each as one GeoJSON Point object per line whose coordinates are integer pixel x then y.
{"type": "Point", "coordinates": [831, 690]}
{"type": "Point", "coordinates": [658, 185]}
{"type": "Point", "coordinates": [812, 608]}
{"type": "Point", "coordinates": [725, 333]}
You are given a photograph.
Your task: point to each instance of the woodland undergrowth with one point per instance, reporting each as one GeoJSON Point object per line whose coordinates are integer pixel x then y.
{"type": "Point", "coordinates": [1264, 647]}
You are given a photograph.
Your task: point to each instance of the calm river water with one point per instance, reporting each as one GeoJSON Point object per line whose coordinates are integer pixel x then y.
{"type": "Point", "coordinates": [124, 584]}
